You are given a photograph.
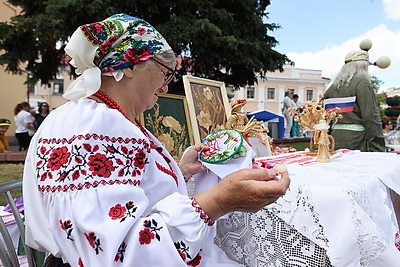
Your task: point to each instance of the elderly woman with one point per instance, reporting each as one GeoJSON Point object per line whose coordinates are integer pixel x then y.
{"type": "Point", "coordinates": [361, 128]}
{"type": "Point", "coordinates": [100, 190]}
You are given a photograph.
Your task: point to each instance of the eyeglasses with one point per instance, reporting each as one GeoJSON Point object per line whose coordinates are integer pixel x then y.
{"type": "Point", "coordinates": [169, 75]}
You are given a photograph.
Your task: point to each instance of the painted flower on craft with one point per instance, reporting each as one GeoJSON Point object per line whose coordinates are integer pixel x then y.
{"type": "Point", "coordinates": [58, 157]}
{"type": "Point", "coordinates": [100, 165]}
{"type": "Point", "coordinates": [172, 123]}
{"type": "Point", "coordinates": [167, 140]}
{"type": "Point", "coordinates": [204, 119]}
{"type": "Point", "coordinates": [207, 93]}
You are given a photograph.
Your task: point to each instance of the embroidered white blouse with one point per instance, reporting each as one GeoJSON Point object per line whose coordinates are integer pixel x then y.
{"type": "Point", "coordinates": [100, 192]}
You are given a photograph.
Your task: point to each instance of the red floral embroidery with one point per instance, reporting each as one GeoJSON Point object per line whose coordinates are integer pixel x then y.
{"type": "Point", "coordinates": [149, 232]}
{"type": "Point", "coordinates": [140, 159]}
{"type": "Point", "coordinates": [145, 236]}
{"type": "Point", "coordinates": [94, 242]}
{"type": "Point", "coordinates": [67, 227]}
{"type": "Point", "coordinates": [100, 165]}
{"type": "Point", "coordinates": [397, 240]}
{"type": "Point", "coordinates": [58, 157]}
{"type": "Point", "coordinates": [121, 253]}
{"type": "Point", "coordinates": [82, 164]}
{"type": "Point", "coordinates": [183, 255]}
{"type": "Point", "coordinates": [183, 250]}
{"type": "Point", "coordinates": [203, 215]}
{"type": "Point", "coordinates": [80, 263]}
{"type": "Point", "coordinates": [117, 212]}
{"type": "Point", "coordinates": [195, 262]}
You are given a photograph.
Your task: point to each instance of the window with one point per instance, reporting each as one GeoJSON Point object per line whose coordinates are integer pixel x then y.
{"type": "Point", "coordinates": [271, 93]}
{"type": "Point", "coordinates": [250, 92]}
{"type": "Point", "coordinates": [310, 95]}
{"type": "Point", "coordinates": [58, 86]}
{"type": "Point", "coordinates": [291, 91]}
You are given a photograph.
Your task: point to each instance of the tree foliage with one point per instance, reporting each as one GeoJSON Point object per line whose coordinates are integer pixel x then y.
{"type": "Point", "coordinates": [220, 40]}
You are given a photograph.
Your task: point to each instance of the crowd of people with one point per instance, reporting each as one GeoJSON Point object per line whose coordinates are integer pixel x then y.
{"type": "Point", "coordinates": [292, 127]}
{"type": "Point", "coordinates": [27, 122]}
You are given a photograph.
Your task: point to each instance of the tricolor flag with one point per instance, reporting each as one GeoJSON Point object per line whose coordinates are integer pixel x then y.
{"type": "Point", "coordinates": [345, 104]}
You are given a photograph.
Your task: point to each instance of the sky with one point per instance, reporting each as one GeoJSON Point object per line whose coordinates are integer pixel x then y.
{"type": "Point", "coordinates": [317, 34]}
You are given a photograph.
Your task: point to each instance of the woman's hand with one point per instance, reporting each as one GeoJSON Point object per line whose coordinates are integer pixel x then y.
{"type": "Point", "coordinates": [244, 190]}
{"type": "Point", "coordinates": [190, 164]}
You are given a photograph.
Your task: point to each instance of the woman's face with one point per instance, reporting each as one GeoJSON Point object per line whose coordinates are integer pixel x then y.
{"type": "Point", "coordinates": [45, 106]}
{"type": "Point", "coordinates": [149, 83]}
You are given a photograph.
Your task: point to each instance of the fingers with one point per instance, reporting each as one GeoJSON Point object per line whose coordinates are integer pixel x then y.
{"type": "Point", "coordinates": [258, 174]}
{"type": "Point", "coordinates": [200, 147]}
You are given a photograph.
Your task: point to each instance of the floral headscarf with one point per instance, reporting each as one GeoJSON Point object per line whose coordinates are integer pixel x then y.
{"type": "Point", "coordinates": [107, 47]}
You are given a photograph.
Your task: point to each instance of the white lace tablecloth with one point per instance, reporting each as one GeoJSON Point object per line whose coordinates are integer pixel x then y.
{"type": "Point", "coordinates": [334, 214]}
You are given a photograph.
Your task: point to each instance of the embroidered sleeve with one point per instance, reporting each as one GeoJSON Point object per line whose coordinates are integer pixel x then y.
{"type": "Point", "coordinates": [104, 200]}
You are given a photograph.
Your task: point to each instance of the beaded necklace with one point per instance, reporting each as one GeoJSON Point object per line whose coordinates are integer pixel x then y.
{"type": "Point", "coordinates": [114, 105]}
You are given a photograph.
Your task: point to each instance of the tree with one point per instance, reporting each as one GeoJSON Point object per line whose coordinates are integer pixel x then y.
{"type": "Point", "coordinates": [380, 97]}
{"type": "Point", "coordinates": [220, 40]}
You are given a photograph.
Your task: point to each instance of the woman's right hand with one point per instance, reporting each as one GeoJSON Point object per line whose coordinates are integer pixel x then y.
{"type": "Point", "coordinates": [244, 190]}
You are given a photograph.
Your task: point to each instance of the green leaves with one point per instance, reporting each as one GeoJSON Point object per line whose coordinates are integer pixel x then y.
{"type": "Point", "coordinates": [225, 40]}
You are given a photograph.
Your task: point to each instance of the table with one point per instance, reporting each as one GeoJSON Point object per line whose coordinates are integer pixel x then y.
{"type": "Point", "coordinates": [334, 214]}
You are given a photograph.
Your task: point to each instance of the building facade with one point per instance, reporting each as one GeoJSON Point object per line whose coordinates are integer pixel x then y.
{"type": "Point", "coordinates": [12, 88]}
{"type": "Point", "coordinates": [268, 93]}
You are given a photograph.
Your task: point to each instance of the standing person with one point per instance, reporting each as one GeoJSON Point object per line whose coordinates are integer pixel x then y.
{"type": "Point", "coordinates": [287, 103]}
{"type": "Point", "coordinates": [361, 128]}
{"type": "Point", "coordinates": [42, 113]}
{"type": "Point", "coordinates": [23, 124]}
{"type": "Point", "coordinates": [4, 125]}
{"type": "Point", "coordinates": [295, 124]}
{"type": "Point", "coordinates": [101, 190]}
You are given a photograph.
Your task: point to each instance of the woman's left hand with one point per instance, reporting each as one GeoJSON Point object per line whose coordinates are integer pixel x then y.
{"type": "Point", "coordinates": [190, 164]}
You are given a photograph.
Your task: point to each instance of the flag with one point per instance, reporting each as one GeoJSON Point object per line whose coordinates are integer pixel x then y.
{"type": "Point", "coordinates": [345, 104]}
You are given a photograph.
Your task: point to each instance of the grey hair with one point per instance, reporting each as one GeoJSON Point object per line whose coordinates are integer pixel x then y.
{"type": "Point", "coordinates": [167, 57]}
{"type": "Point", "coordinates": [349, 70]}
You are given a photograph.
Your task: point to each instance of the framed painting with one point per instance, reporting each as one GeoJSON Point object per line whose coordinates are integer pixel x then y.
{"type": "Point", "coordinates": [208, 105]}
{"type": "Point", "coordinates": [169, 121]}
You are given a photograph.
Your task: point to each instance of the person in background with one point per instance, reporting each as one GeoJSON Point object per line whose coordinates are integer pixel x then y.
{"type": "Point", "coordinates": [4, 125]}
{"type": "Point", "coordinates": [387, 125]}
{"type": "Point", "coordinates": [101, 190]}
{"type": "Point", "coordinates": [42, 113]}
{"type": "Point", "coordinates": [23, 124]}
{"type": "Point", "coordinates": [287, 103]}
{"type": "Point", "coordinates": [360, 129]}
{"type": "Point", "coordinates": [295, 124]}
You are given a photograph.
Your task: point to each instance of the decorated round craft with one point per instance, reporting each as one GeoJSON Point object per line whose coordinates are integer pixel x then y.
{"type": "Point", "coordinates": [224, 145]}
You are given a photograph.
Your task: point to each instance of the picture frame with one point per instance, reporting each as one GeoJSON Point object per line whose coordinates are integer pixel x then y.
{"type": "Point", "coordinates": [208, 104]}
{"type": "Point", "coordinates": [169, 122]}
